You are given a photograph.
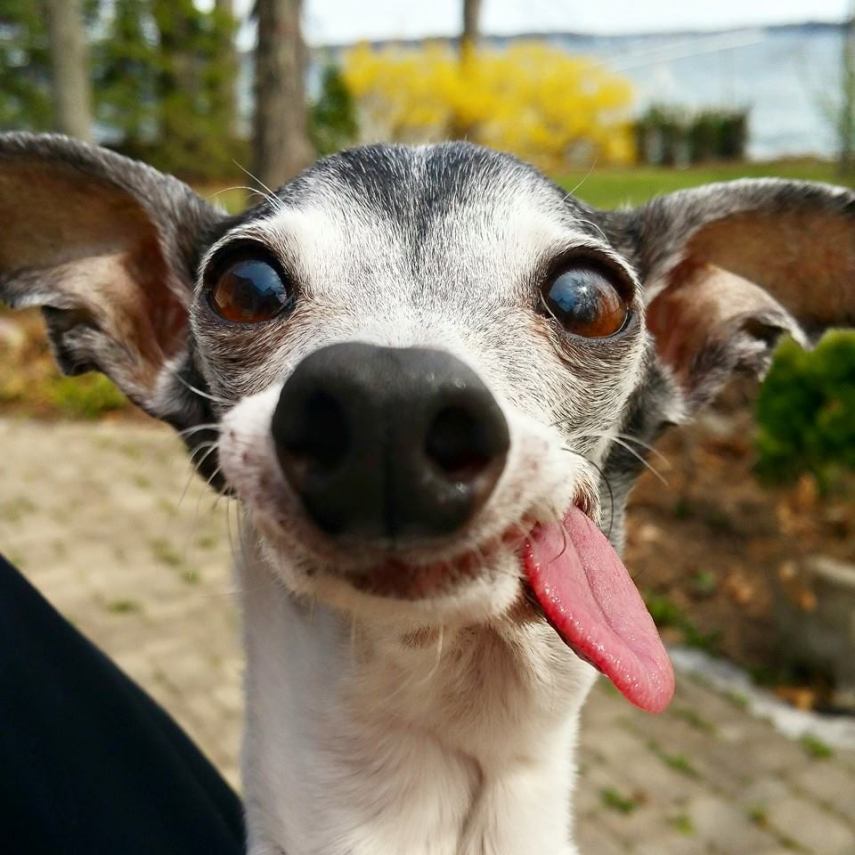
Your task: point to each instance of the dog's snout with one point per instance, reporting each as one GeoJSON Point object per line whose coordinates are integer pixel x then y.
{"type": "Point", "coordinates": [389, 444]}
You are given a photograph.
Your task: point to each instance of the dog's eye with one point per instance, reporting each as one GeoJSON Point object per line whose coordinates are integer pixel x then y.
{"type": "Point", "coordinates": [249, 291]}
{"type": "Point", "coordinates": [586, 303]}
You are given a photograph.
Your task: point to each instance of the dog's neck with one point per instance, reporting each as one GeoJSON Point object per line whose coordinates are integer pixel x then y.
{"type": "Point", "coordinates": [361, 741]}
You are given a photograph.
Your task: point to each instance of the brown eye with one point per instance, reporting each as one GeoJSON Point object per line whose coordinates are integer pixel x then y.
{"type": "Point", "coordinates": [586, 303]}
{"type": "Point", "coordinates": [250, 291]}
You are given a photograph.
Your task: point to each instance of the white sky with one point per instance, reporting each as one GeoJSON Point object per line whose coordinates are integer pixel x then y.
{"type": "Point", "coordinates": [331, 21]}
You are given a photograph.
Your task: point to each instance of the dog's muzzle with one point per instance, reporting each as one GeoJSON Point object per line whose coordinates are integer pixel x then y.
{"type": "Point", "coordinates": [389, 445]}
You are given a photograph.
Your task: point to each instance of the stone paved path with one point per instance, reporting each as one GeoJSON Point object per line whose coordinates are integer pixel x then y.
{"type": "Point", "coordinates": [91, 514]}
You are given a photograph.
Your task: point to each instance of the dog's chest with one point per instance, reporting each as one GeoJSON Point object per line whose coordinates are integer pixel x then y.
{"type": "Point", "coordinates": [363, 746]}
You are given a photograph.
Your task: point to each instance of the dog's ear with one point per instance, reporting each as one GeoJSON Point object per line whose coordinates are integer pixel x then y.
{"type": "Point", "coordinates": [107, 248]}
{"type": "Point", "coordinates": [728, 268]}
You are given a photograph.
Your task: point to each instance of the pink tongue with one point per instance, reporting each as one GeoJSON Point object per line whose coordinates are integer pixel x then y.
{"type": "Point", "coordinates": [591, 601]}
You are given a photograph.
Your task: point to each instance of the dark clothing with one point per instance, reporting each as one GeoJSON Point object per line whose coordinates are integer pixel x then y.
{"type": "Point", "coordinates": [90, 764]}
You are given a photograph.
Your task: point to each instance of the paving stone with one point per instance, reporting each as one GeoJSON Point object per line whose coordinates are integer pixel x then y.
{"type": "Point", "coordinates": [672, 844]}
{"type": "Point", "coordinates": [833, 786]}
{"type": "Point", "coordinates": [615, 744]}
{"type": "Point", "coordinates": [644, 824]}
{"type": "Point", "coordinates": [812, 827]}
{"type": "Point", "coordinates": [765, 752]}
{"type": "Point", "coordinates": [724, 826]}
{"type": "Point", "coordinates": [763, 791]}
{"type": "Point", "coordinates": [595, 841]}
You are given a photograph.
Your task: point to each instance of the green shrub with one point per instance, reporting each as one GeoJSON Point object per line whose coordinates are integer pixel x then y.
{"type": "Point", "coordinates": [806, 412]}
{"type": "Point", "coordinates": [85, 397]}
{"type": "Point", "coordinates": [673, 136]}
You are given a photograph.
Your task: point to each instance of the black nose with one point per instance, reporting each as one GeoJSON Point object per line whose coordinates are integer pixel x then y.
{"type": "Point", "coordinates": [389, 444]}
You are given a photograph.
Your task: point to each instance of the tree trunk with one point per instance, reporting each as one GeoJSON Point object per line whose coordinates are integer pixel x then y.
{"type": "Point", "coordinates": [847, 106]}
{"type": "Point", "coordinates": [70, 61]}
{"type": "Point", "coordinates": [280, 134]}
{"type": "Point", "coordinates": [458, 128]}
{"type": "Point", "coordinates": [471, 26]}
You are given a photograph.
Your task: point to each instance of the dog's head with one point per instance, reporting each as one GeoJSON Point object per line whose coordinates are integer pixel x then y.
{"type": "Point", "coordinates": [429, 369]}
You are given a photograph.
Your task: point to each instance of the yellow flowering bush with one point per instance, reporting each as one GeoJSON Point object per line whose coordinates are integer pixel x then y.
{"type": "Point", "coordinates": [544, 105]}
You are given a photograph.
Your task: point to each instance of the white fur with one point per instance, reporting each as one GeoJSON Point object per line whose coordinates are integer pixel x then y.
{"type": "Point", "coordinates": [443, 724]}
{"type": "Point", "coordinates": [357, 744]}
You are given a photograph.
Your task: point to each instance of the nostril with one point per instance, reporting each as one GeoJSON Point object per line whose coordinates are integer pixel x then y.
{"type": "Point", "coordinates": [457, 444]}
{"type": "Point", "coordinates": [320, 439]}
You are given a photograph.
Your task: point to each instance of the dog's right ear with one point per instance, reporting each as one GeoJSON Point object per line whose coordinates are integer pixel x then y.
{"type": "Point", "coordinates": [107, 248]}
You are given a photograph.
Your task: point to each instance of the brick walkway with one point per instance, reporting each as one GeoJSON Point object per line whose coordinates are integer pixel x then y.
{"type": "Point", "coordinates": [92, 515]}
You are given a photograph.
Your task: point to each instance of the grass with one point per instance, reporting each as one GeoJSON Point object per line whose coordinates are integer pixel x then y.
{"type": "Point", "coordinates": [88, 397]}
{"type": "Point", "coordinates": [683, 823]}
{"type": "Point", "coordinates": [678, 762]}
{"type": "Point", "coordinates": [704, 583]}
{"type": "Point", "coordinates": [164, 553]}
{"type": "Point", "coordinates": [737, 699]}
{"type": "Point", "coordinates": [190, 577]}
{"type": "Point", "coordinates": [30, 384]}
{"type": "Point", "coordinates": [693, 719]}
{"type": "Point", "coordinates": [123, 607]}
{"type": "Point", "coordinates": [816, 747]}
{"type": "Point", "coordinates": [207, 541]}
{"type": "Point", "coordinates": [759, 815]}
{"type": "Point", "coordinates": [611, 188]}
{"type": "Point", "coordinates": [616, 801]}
{"type": "Point", "coordinates": [14, 510]}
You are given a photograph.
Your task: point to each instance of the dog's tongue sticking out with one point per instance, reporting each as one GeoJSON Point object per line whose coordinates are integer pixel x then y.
{"type": "Point", "coordinates": [591, 601]}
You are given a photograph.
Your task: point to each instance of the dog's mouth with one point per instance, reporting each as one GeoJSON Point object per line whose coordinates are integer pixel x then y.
{"type": "Point", "coordinates": [405, 580]}
{"type": "Point", "coordinates": [574, 576]}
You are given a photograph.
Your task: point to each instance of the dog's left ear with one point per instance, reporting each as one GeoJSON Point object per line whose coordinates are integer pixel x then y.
{"type": "Point", "coordinates": [730, 267]}
{"type": "Point", "coordinates": [107, 248]}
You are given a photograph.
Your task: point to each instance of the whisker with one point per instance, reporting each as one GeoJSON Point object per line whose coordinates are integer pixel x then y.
{"type": "Point", "coordinates": [242, 535]}
{"type": "Point", "coordinates": [197, 428]}
{"type": "Point", "coordinates": [438, 660]}
{"type": "Point", "coordinates": [584, 178]}
{"type": "Point", "coordinates": [353, 637]}
{"type": "Point", "coordinates": [254, 190]}
{"type": "Point", "coordinates": [642, 460]}
{"type": "Point", "coordinates": [605, 481]}
{"type": "Point", "coordinates": [205, 447]}
{"type": "Point", "coordinates": [269, 195]}
{"type": "Point", "coordinates": [629, 438]}
{"type": "Point", "coordinates": [203, 492]}
{"type": "Point", "coordinates": [202, 394]}
{"type": "Point", "coordinates": [623, 441]}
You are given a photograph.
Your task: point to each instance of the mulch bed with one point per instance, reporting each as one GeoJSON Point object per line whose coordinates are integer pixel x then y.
{"type": "Point", "coordinates": [711, 549]}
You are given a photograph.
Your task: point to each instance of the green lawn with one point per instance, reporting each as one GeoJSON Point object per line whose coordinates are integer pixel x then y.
{"type": "Point", "coordinates": [610, 188]}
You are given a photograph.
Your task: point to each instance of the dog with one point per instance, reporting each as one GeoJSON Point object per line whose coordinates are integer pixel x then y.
{"type": "Point", "coordinates": [431, 377]}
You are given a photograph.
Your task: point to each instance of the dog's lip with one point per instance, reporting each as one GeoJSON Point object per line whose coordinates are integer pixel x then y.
{"type": "Point", "coordinates": [400, 579]}
{"type": "Point", "coordinates": [413, 580]}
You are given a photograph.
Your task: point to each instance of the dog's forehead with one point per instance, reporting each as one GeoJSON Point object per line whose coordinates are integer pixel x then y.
{"type": "Point", "coordinates": [432, 219]}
